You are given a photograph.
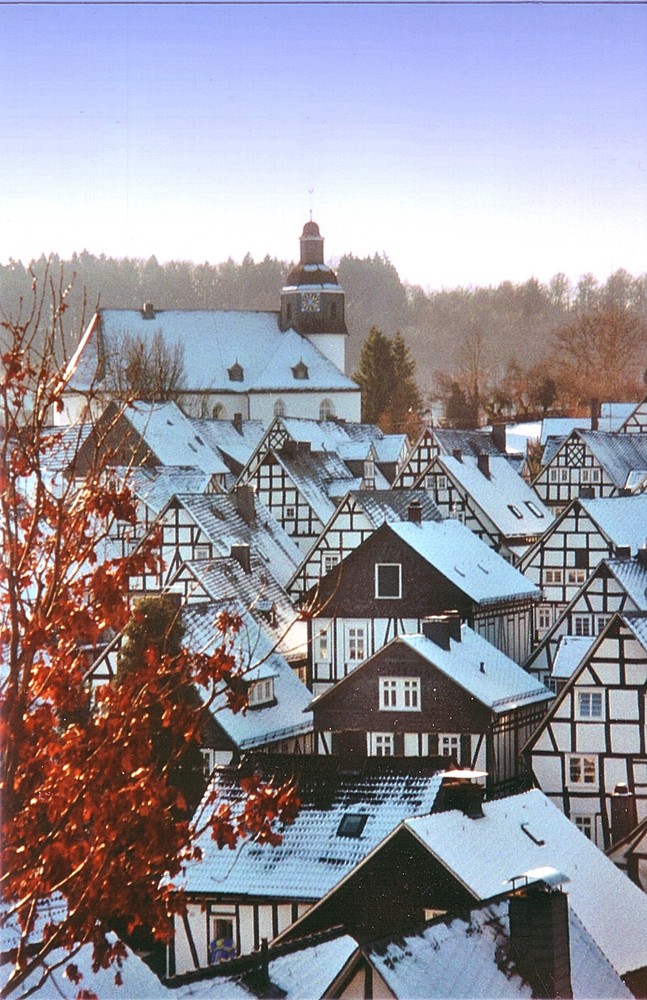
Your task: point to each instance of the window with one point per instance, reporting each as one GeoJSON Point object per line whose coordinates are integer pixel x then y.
{"type": "Point", "coordinates": [582, 625]}
{"type": "Point", "coordinates": [261, 692]}
{"type": "Point", "coordinates": [544, 616]}
{"type": "Point", "coordinates": [553, 475]}
{"type": "Point", "coordinates": [355, 641]}
{"type": "Point", "coordinates": [533, 508]}
{"type": "Point", "coordinates": [330, 560]}
{"type": "Point", "coordinates": [219, 412]}
{"type": "Point", "coordinates": [515, 510]}
{"type": "Point", "coordinates": [236, 373]}
{"type": "Point", "coordinates": [400, 694]}
{"type": "Point", "coordinates": [369, 469]}
{"type": "Point", "coordinates": [553, 576]}
{"type": "Point", "coordinates": [352, 825]}
{"type": "Point", "coordinates": [388, 580]}
{"type": "Point", "coordinates": [381, 744]}
{"type": "Point", "coordinates": [590, 475]}
{"type": "Point", "coordinates": [582, 770]}
{"type": "Point", "coordinates": [208, 762]}
{"type": "Point", "coordinates": [202, 552]}
{"type": "Point", "coordinates": [326, 410]}
{"type": "Point", "coordinates": [222, 937]}
{"type": "Point", "coordinates": [279, 408]}
{"type": "Point", "coordinates": [602, 621]}
{"type": "Point", "coordinates": [575, 575]}
{"type": "Point", "coordinates": [290, 513]}
{"type": "Point", "coordinates": [585, 825]}
{"type": "Point", "coordinates": [589, 705]}
{"type": "Point", "coordinates": [300, 370]}
{"type": "Point", "coordinates": [449, 745]}
{"type": "Point", "coordinates": [563, 475]}
{"type": "Point", "coordinates": [323, 651]}
{"type": "Point", "coordinates": [440, 484]}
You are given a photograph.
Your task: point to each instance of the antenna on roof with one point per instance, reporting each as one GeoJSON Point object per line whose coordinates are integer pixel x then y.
{"type": "Point", "coordinates": [311, 191]}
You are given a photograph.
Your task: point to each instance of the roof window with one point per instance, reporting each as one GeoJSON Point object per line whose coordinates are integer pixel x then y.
{"type": "Point", "coordinates": [352, 825]}
{"type": "Point", "coordinates": [300, 370]}
{"type": "Point", "coordinates": [236, 373]}
{"type": "Point", "coordinates": [534, 509]}
{"type": "Point", "coordinates": [515, 510]}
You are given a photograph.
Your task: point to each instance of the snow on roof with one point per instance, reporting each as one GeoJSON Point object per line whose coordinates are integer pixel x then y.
{"type": "Point", "coordinates": [619, 454]}
{"type": "Point", "coordinates": [305, 971]}
{"type": "Point", "coordinates": [471, 957]}
{"type": "Point", "coordinates": [155, 487]}
{"type": "Point", "coordinates": [312, 857]}
{"type": "Point", "coordinates": [561, 427]}
{"type": "Point", "coordinates": [465, 560]}
{"type": "Point", "coordinates": [328, 435]}
{"type": "Point", "coordinates": [213, 341]}
{"type": "Point", "coordinates": [231, 443]}
{"type": "Point", "coordinates": [392, 505]}
{"type": "Point", "coordinates": [622, 519]}
{"type": "Point", "coordinates": [638, 625]}
{"type": "Point", "coordinates": [527, 831]}
{"type": "Point", "coordinates": [319, 477]}
{"type": "Point", "coordinates": [481, 669]}
{"type": "Point", "coordinates": [512, 506]}
{"type": "Point", "coordinates": [171, 437]}
{"type": "Point", "coordinates": [51, 910]}
{"type": "Point", "coordinates": [256, 654]}
{"type": "Point", "coordinates": [218, 517]}
{"type": "Point", "coordinates": [138, 981]}
{"type": "Point", "coordinates": [517, 436]}
{"type": "Point", "coordinates": [571, 650]}
{"type": "Point", "coordinates": [467, 442]}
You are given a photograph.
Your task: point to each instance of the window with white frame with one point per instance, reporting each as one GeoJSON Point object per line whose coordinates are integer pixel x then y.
{"type": "Point", "coordinates": [582, 625]}
{"type": "Point", "coordinates": [582, 769]}
{"type": "Point", "coordinates": [601, 622]}
{"type": "Point", "coordinates": [515, 510]}
{"type": "Point", "coordinates": [533, 508]}
{"type": "Point", "coordinates": [590, 475]}
{"type": "Point", "coordinates": [381, 744]}
{"type": "Point", "coordinates": [449, 745]}
{"type": "Point", "coordinates": [553, 475]}
{"type": "Point", "coordinates": [590, 704]}
{"type": "Point", "coordinates": [323, 645]}
{"type": "Point", "coordinates": [563, 475]}
{"type": "Point", "coordinates": [388, 580]}
{"type": "Point", "coordinates": [261, 692]}
{"type": "Point", "coordinates": [355, 642]}
{"type": "Point", "coordinates": [279, 408]}
{"type": "Point", "coordinates": [586, 825]}
{"type": "Point", "coordinates": [544, 616]}
{"type": "Point", "coordinates": [223, 944]}
{"type": "Point", "coordinates": [574, 575]}
{"type": "Point", "coordinates": [400, 694]}
{"type": "Point", "coordinates": [202, 552]}
{"type": "Point", "coordinates": [208, 761]}
{"type": "Point", "coordinates": [553, 575]}
{"type": "Point", "coordinates": [330, 560]}
{"type": "Point", "coordinates": [440, 483]}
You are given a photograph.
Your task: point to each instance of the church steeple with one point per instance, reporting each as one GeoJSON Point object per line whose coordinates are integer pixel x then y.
{"type": "Point", "coordinates": [312, 300]}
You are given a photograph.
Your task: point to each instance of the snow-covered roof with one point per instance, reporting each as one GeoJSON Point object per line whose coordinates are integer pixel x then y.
{"type": "Point", "coordinates": [328, 435]}
{"type": "Point", "coordinates": [213, 341]}
{"type": "Point", "coordinates": [619, 454]}
{"type": "Point", "coordinates": [306, 970]}
{"type": "Point", "coordinates": [471, 956]}
{"type": "Point", "coordinates": [622, 519]}
{"type": "Point", "coordinates": [218, 517]}
{"type": "Point", "coordinates": [465, 560]}
{"type": "Point", "coordinates": [527, 831]}
{"type": "Point", "coordinates": [392, 505]}
{"type": "Point", "coordinates": [561, 427]}
{"type": "Point", "coordinates": [481, 669]}
{"type": "Point", "coordinates": [517, 436]}
{"type": "Point", "coordinates": [155, 487]}
{"type": "Point", "coordinates": [571, 650]}
{"type": "Point", "coordinates": [256, 654]}
{"type": "Point", "coordinates": [313, 857]}
{"type": "Point", "coordinates": [231, 443]}
{"type": "Point", "coordinates": [503, 496]}
{"type": "Point", "coordinates": [450, 440]}
{"type": "Point", "coordinates": [171, 436]}
{"type": "Point", "coordinates": [321, 478]}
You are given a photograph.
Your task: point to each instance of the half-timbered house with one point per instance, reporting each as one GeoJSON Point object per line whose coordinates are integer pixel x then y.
{"type": "Point", "coordinates": [434, 441]}
{"type": "Point", "coordinates": [573, 545]}
{"type": "Point", "coordinates": [401, 574]}
{"type": "Point", "coordinates": [636, 421]}
{"type": "Point", "coordinates": [594, 737]}
{"type": "Point", "coordinates": [259, 890]}
{"type": "Point", "coordinates": [614, 585]}
{"type": "Point", "coordinates": [445, 691]}
{"type": "Point", "coordinates": [356, 517]}
{"type": "Point", "coordinates": [194, 527]}
{"type": "Point", "coordinates": [592, 464]}
{"type": "Point", "coordinates": [490, 498]}
{"type": "Point", "coordinates": [234, 440]}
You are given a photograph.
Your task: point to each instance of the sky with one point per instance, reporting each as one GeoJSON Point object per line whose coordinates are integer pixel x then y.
{"type": "Point", "coordinates": [469, 143]}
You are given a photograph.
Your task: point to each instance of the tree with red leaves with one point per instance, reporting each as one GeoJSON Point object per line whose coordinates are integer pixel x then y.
{"type": "Point", "coordinates": [90, 817]}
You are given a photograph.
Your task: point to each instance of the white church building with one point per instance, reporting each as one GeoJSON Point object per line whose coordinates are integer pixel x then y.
{"type": "Point", "coordinates": [252, 363]}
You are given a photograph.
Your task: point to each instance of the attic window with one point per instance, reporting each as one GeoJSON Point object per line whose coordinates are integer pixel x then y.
{"type": "Point", "coordinates": [515, 511]}
{"type": "Point", "coordinates": [352, 825]}
{"type": "Point", "coordinates": [300, 370]}
{"type": "Point", "coordinates": [261, 693]}
{"type": "Point", "coordinates": [236, 373]}
{"type": "Point", "coordinates": [199, 439]}
{"type": "Point", "coordinates": [534, 509]}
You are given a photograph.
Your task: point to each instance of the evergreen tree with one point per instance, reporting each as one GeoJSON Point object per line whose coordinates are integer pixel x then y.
{"type": "Point", "coordinates": [376, 377]}
{"type": "Point", "coordinates": [406, 403]}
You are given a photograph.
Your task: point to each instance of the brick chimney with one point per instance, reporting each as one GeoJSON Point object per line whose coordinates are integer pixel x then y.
{"type": "Point", "coordinates": [483, 464]}
{"type": "Point", "coordinates": [459, 791]}
{"type": "Point", "coordinates": [244, 500]}
{"type": "Point", "coordinates": [595, 414]}
{"type": "Point", "coordinates": [498, 436]}
{"type": "Point", "coordinates": [148, 310]}
{"type": "Point", "coordinates": [414, 511]}
{"type": "Point", "coordinates": [441, 628]}
{"type": "Point", "coordinates": [641, 555]}
{"type": "Point", "coordinates": [624, 817]}
{"type": "Point", "coordinates": [242, 555]}
{"type": "Point", "coordinates": [458, 454]}
{"type": "Point", "coordinates": [539, 937]}
{"type": "Point", "coordinates": [238, 422]}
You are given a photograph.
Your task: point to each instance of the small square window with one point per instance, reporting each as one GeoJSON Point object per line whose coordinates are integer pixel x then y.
{"type": "Point", "coordinates": [590, 705]}
{"type": "Point", "coordinates": [585, 824]}
{"type": "Point", "coordinates": [388, 580]}
{"type": "Point", "coordinates": [381, 744]}
{"type": "Point", "coordinates": [582, 625]}
{"type": "Point", "coordinates": [582, 770]}
{"type": "Point", "coordinates": [330, 560]}
{"type": "Point", "coordinates": [449, 745]}
{"type": "Point", "coordinates": [202, 552]}
{"type": "Point", "coordinates": [352, 825]}
{"type": "Point", "coordinates": [290, 513]}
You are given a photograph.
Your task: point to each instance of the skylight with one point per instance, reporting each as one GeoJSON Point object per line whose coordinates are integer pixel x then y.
{"type": "Point", "coordinates": [352, 825]}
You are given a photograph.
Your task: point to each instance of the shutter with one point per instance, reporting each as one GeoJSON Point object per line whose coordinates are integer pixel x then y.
{"type": "Point", "coordinates": [466, 750]}
{"type": "Point", "coordinates": [433, 745]}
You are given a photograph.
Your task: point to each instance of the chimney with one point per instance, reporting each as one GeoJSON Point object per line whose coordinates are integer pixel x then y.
{"type": "Point", "coordinates": [244, 500]}
{"type": "Point", "coordinates": [289, 448]}
{"type": "Point", "coordinates": [238, 422]}
{"type": "Point", "coordinates": [458, 454]}
{"type": "Point", "coordinates": [587, 492]}
{"type": "Point", "coordinates": [414, 511]}
{"type": "Point", "coordinates": [595, 414]}
{"type": "Point", "coordinates": [539, 937]}
{"type": "Point", "coordinates": [623, 552]}
{"type": "Point", "coordinates": [459, 791]}
{"type": "Point", "coordinates": [498, 436]}
{"type": "Point", "coordinates": [441, 628]}
{"type": "Point", "coordinates": [242, 555]}
{"type": "Point", "coordinates": [624, 817]}
{"type": "Point", "coordinates": [148, 311]}
{"type": "Point", "coordinates": [483, 464]}
{"type": "Point", "coordinates": [641, 555]}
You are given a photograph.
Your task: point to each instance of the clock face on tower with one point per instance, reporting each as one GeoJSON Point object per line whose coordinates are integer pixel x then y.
{"type": "Point", "coordinates": [310, 302]}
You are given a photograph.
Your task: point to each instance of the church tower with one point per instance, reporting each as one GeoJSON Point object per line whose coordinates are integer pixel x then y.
{"type": "Point", "coordinates": [312, 300]}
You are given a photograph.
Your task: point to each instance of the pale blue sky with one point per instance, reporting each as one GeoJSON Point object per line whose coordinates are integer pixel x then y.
{"type": "Point", "coordinates": [470, 143]}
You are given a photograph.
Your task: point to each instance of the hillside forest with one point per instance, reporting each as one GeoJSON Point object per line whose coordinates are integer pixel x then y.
{"type": "Point", "coordinates": [510, 351]}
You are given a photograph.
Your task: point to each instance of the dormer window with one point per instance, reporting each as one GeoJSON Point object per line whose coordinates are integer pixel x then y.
{"type": "Point", "coordinates": [261, 693]}
{"type": "Point", "coordinates": [236, 373]}
{"type": "Point", "coordinates": [326, 410]}
{"type": "Point", "coordinates": [300, 370]}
